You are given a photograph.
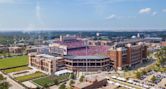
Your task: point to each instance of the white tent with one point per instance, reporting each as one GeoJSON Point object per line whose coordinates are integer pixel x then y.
{"type": "Point", "coordinates": [61, 72]}
{"type": "Point", "coordinates": [114, 77]}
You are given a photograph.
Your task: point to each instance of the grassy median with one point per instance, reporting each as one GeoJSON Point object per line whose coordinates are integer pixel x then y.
{"type": "Point", "coordinates": [30, 76]}
{"type": "Point", "coordinates": [16, 69]}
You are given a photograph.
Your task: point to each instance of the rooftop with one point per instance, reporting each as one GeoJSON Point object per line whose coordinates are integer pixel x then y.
{"type": "Point", "coordinates": [86, 57]}
{"type": "Point", "coordinates": [49, 56]}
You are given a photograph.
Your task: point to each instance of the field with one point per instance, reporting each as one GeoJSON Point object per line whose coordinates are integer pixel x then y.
{"type": "Point", "coordinates": [13, 61]}
{"type": "Point", "coordinates": [45, 81]}
{"type": "Point", "coordinates": [30, 76]}
{"type": "Point", "coordinates": [49, 80]}
{"type": "Point", "coordinates": [16, 69]}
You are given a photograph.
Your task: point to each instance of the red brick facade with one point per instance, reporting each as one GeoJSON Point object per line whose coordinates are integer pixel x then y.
{"type": "Point", "coordinates": [127, 56]}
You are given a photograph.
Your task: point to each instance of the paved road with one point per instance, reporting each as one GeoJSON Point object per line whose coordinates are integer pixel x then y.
{"type": "Point", "coordinates": [14, 85]}
{"type": "Point", "coordinates": [128, 84]}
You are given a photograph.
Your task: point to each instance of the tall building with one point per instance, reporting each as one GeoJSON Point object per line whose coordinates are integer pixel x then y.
{"type": "Point", "coordinates": [128, 55]}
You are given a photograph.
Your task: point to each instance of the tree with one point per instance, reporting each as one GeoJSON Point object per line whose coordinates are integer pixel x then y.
{"type": "Point", "coordinates": [1, 77]}
{"type": "Point", "coordinates": [56, 82]}
{"type": "Point", "coordinates": [144, 72]}
{"type": "Point", "coordinates": [70, 87]}
{"type": "Point", "coordinates": [71, 82]}
{"type": "Point", "coordinates": [81, 78]}
{"type": "Point", "coordinates": [62, 86]}
{"type": "Point", "coordinates": [138, 75]}
{"type": "Point", "coordinates": [153, 79]}
{"type": "Point", "coordinates": [46, 86]}
{"type": "Point", "coordinates": [4, 85]}
{"type": "Point", "coordinates": [161, 57]}
{"type": "Point", "coordinates": [72, 76]}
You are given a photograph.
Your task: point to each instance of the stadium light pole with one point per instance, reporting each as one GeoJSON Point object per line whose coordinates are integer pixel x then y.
{"type": "Point", "coordinates": [86, 42]}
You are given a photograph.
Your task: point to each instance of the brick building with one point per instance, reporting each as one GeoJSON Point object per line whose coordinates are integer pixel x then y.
{"type": "Point", "coordinates": [128, 55]}
{"type": "Point", "coordinates": [163, 44]}
{"type": "Point", "coordinates": [91, 82]}
{"type": "Point", "coordinates": [45, 63]}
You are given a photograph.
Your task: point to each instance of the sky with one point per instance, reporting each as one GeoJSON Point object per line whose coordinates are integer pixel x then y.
{"type": "Point", "coordinates": [113, 15]}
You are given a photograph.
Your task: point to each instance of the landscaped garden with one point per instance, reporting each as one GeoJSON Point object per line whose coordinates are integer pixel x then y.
{"type": "Point", "coordinates": [13, 61]}
{"type": "Point", "coordinates": [16, 69]}
{"type": "Point", "coordinates": [30, 76]}
{"type": "Point", "coordinates": [51, 80]}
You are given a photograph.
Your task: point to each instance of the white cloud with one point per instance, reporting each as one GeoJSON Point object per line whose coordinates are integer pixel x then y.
{"type": "Point", "coordinates": [164, 10]}
{"type": "Point", "coordinates": [111, 17]}
{"type": "Point", "coordinates": [148, 11]}
{"type": "Point", "coordinates": [145, 11]}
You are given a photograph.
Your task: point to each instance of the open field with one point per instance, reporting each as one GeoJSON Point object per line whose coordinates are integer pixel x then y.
{"type": "Point", "coordinates": [49, 80]}
{"type": "Point", "coordinates": [30, 76]}
{"type": "Point", "coordinates": [13, 61]}
{"type": "Point", "coordinates": [16, 69]}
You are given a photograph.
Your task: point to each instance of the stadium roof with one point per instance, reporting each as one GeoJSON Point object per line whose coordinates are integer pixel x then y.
{"type": "Point", "coordinates": [86, 57]}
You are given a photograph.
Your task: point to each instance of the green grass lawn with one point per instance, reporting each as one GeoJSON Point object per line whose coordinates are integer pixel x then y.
{"type": "Point", "coordinates": [49, 80]}
{"type": "Point", "coordinates": [16, 69]}
{"type": "Point", "coordinates": [30, 76]}
{"type": "Point", "coordinates": [13, 61]}
{"type": "Point", "coordinates": [45, 80]}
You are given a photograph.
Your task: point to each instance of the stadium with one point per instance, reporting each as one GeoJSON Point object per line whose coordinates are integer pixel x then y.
{"type": "Point", "coordinates": [78, 56]}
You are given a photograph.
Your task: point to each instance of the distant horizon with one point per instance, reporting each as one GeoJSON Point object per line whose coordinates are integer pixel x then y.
{"type": "Point", "coordinates": [86, 30]}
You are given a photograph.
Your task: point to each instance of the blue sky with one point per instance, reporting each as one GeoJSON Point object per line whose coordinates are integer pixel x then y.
{"type": "Point", "coordinates": [115, 15]}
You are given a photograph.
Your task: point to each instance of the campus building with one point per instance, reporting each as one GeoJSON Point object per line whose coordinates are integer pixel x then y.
{"type": "Point", "coordinates": [50, 64]}
{"type": "Point", "coordinates": [91, 82]}
{"type": "Point", "coordinates": [127, 55]}
{"type": "Point", "coordinates": [16, 50]}
{"type": "Point", "coordinates": [99, 42]}
{"type": "Point", "coordinates": [163, 44]}
{"type": "Point", "coordinates": [45, 63]}
{"type": "Point", "coordinates": [3, 48]}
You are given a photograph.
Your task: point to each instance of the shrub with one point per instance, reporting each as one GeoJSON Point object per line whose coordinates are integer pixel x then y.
{"type": "Point", "coordinates": [81, 78]}
{"type": "Point", "coordinates": [62, 86]}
